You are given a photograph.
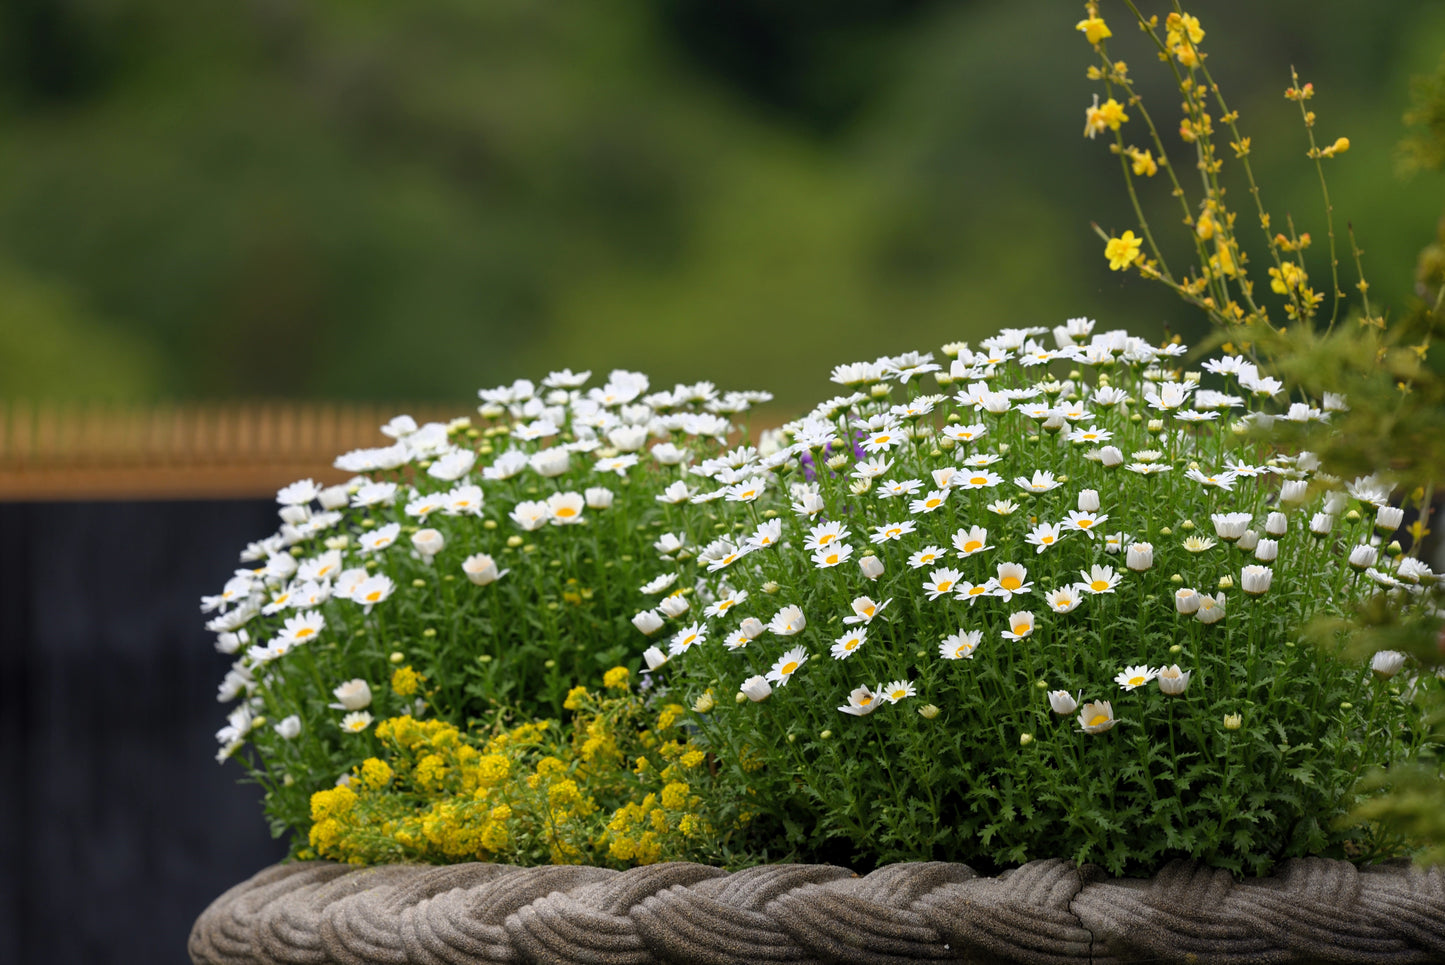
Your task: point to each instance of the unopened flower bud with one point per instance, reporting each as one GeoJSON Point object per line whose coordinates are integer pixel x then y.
{"type": "Point", "coordinates": [1293, 490]}
{"type": "Point", "coordinates": [928, 711]}
{"type": "Point", "coordinates": [704, 703]}
{"type": "Point", "coordinates": [1233, 721]}
{"type": "Point", "coordinates": [1363, 557]}
{"type": "Point", "coordinates": [1276, 524]}
{"type": "Point", "coordinates": [1256, 580]}
{"type": "Point", "coordinates": [1088, 500]}
{"type": "Point", "coordinates": [871, 566]}
{"type": "Point", "coordinates": [1387, 663]}
{"type": "Point", "coordinates": [1109, 457]}
{"type": "Point", "coordinates": [1321, 524]}
{"type": "Point", "coordinates": [756, 689]}
{"type": "Point", "coordinates": [1267, 550]}
{"type": "Point", "coordinates": [397, 656]}
{"type": "Point", "coordinates": [1186, 601]}
{"type": "Point", "coordinates": [771, 587]}
{"type": "Point", "coordinates": [1140, 557]}
{"type": "Point", "coordinates": [1025, 740]}
{"type": "Point", "coordinates": [1248, 541]}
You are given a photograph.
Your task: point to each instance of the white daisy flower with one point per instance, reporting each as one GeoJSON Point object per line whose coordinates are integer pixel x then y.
{"type": "Point", "coordinates": [864, 610]}
{"type": "Point", "coordinates": [1132, 677]}
{"type": "Point", "coordinates": [929, 503]}
{"type": "Point", "coordinates": [787, 665]}
{"type": "Point", "coordinates": [872, 468]}
{"type": "Point", "coordinates": [423, 506]}
{"type": "Point", "coordinates": [1021, 624]}
{"type": "Point", "coordinates": [531, 515]}
{"type": "Point", "coordinates": [1096, 717]}
{"type": "Point", "coordinates": [508, 464]}
{"type": "Point", "coordinates": [787, 622]}
{"type": "Point", "coordinates": [373, 590]}
{"type": "Point", "coordinates": [1091, 436]}
{"type": "Point", "coordinates": [658, 584]}
{"type": "Point", "coordinates": [565, 507]}
{"type": "Point", "coordinates": [897, 690]}
{"type": "Point", "coordinates": [303, 628]}
{"type": "Point", "coordinates": [482, 570]}
{"type": "Point", "coordinates": [1042, 536]}
{"type": "Point", "coordinates": [884, 439]}
{"type": "Point", "coordinates": [978, 479]}
{"type": "Point", "coordinates": [1065, 599]}
{"type": "Point", "coordinates": [737, 639]}
{"type": "Point", "coordinates": [891, 531]}
{"type": "Point", "coordinates": [1042, 482]}
{"type": "Point", "coordinates": [823, 534]}
{"type": "Point", "coordinates": [379, 538]}
{"type": "Point", "coordinates": [298, 493]}
{"type": "Point", "coordinates": [905, 487]}
{"type": "Point", "coordinates": [453, 465]}
{"type": "Point", "coordinates": [618, 464]}
{"type": "Point", "coordinates": [567, 379]}
{"type": "Point", "coordinates": [356, 722]}
{"type": "Point", "coordinates": [808, 504]}
{"type": "Point", "coordinates": [1172, 680]}
{"type": "Point", "coordinates": [941, 581]}
{"type": "Point", "coordinates": [767, 534]}
{"type": "Point", "coordinates": [966, 433]}
{"type": "Point", "coordinates": [1012, 579]}
{"type": "Point", "coordinates": [1099, 579]}
{"type": "Point", "coordinates": [686, 638]}
{"type": "Point", "coordinates": [960, 645]}
{"type": "Point", "coordinates": [970, 541]}
{"type": "Point", "coordinates": [352, 695]}
{"type": "Point", "coordinates": [1062, 702]}
{"type": "Point", "coordinates": [946, 478]}
{"type": "Point", "coordinates": [677, 492]}
{"type": "Point", "coordinates": [747, 491]}
{"type": "Point", "coordinates": [463, 501]}
{"type": "Point", "coordinates": [981, 460]}
{"type": "Point", "coordinates": [861, 702]}
{"type": "Point", "coordinates": [373, 494]}
{"type": "Point", "coordinates": [648, 621]}
{"type": "Point", "coordinates": [1223, 480]}
{"type": "Point", "coordinates": [844, 646]}
{"type": "Point", "coordinates": [925, 557]}
{"type": "Point", "coordinates": [599, 497]}
{"type": "Point", "coordinates": [831, 555]}
{"type": "Point", "coordinates": [1085, 522]}
{"type": "Point", "coordinates": [1002, 507]}
{"type": "Point", "coordinates": [973, 592]}
{"type": "Point", "coordinates": [726, 555]}
{"type": "Point", "coordinates": [1197, 544]}
{"type": "Point", "coordinates": [1211, 608]}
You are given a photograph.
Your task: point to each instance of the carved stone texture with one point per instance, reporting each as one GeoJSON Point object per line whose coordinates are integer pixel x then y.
{"type": "Point", "coordinates": [1046, 912]}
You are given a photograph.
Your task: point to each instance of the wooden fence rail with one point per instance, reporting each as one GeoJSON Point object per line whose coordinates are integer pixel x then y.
{"type": "Point", "coordinates": [187, 451]}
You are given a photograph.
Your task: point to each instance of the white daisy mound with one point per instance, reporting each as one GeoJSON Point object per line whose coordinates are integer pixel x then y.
{"type": "Point", "coordinates": [1048, 513]}
{"type": "Point", "coordinates": [487, 563]}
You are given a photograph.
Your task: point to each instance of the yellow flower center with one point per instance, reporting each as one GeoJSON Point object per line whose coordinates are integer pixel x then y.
{"type": "Point", "coordinates": [566, 511]}
{"type": "Point", "coordinates": [1136, 681]}
{"type": "Point", "coordinates": [304, 632]}
{"type": "Point", "coordinates": [1046, 540]}
{"type": "Point", "coordinates": [881, 440]}
{"type": "Point", "coordinates": [827, 538]}
{"type": "Point", "coordinates": [724, 605]}
{"type": "Point", "coordinates": [1084, 523]}
{"type": "Point", "coordinates": [973, 546]}
{"type": "Point", "coordinates": [895, 531]}
{"type": "Point", "coordinates": [1098, 719]}
{"type": "Point", "coordinates": [864, 701]}
{"type": "Point", "coordinates": [976, 590]}
{"type": "Point", "coordinates": [1021, 628]}
{"type": "Point", "coordinates": [1010, 582]}
{"type": "Point", "coordinates": [868, 611]}
{"type": "Point", "coordinates": [373, 596]}
{"type": "Point", "coordinates": [323, 571]}
{"type": "Point", "coordinates": [933, 503]}
{"type": "Point", "coordinates": [944, 585]}
{"type": "Point", "coordinates": [898, 694]}
{"type": "Point", "coordinates": [1099, 586]}
{"type": "Point", "coordinates": [961, 651]}
{"type": "Point", "coordinates": [789, 667]}
{"type": "Point", "coordinates": [832, 559]}
{"type": "Point", "coordinates": [978, 480]}
{"type": "Point", "coordinates": [851, 644]}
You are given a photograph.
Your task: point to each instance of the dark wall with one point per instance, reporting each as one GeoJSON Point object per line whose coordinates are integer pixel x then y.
{"type": "Point", "coordinates": [117, 827]}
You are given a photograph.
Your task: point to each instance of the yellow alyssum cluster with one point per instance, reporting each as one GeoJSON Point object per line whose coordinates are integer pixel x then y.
{"type": "Point", "coordinates": [616, 785]}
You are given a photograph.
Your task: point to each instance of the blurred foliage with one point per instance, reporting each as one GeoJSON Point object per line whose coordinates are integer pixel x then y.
{"type": "Point", "coordinates": [370, 200]}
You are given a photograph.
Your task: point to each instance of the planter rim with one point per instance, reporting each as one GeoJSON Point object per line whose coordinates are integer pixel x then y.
{"type": "Point", "coordinates": [1049, 912]}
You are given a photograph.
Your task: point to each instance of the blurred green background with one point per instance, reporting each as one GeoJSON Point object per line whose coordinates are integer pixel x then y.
{"type": "Point", "coordinates": [380, 200]}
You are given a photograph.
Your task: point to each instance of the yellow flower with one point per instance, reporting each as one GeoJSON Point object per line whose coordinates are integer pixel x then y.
{"type": "Point", "coordinates": [575, 696]}
{"type": "Point", "coordinates": [1108, 115]}
{"type": "Point", "coordinates": [1094, 29]}
{"type": "Point", "coordinates": [332, 802]}
{"type": "Point", "coordinates": [692, 759]}
{"type": "Point", "coordinates": [674, 796]}
{"type": "Point", "coordinates": [375, 773]}
{"type": "Point", "coordinates": [1143, 163]}
{"type": "Point", "coordinates": [616, 678]}
{"type": "Point", "coordinates": [1122, 251]}
{"type": "Point", "coordinates": [404, 683]}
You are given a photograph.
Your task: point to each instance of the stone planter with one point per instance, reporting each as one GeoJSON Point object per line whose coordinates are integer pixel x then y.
{"type": "Point", "coordinates": [1049, 911]}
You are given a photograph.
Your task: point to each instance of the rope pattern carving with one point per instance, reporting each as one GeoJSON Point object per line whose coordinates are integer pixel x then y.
{"type": "Point", "coordinates": [1047, 912]}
